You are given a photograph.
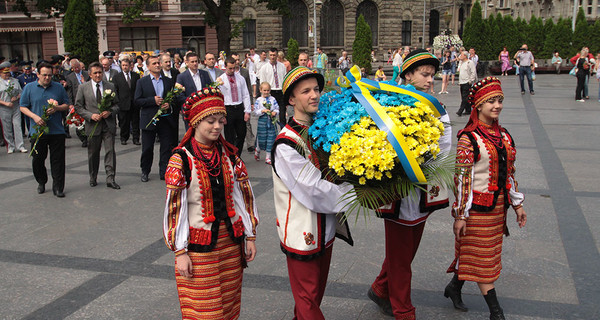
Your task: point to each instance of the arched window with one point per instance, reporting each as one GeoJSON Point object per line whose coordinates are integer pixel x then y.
{"type": "Point", "coordinates": [434, 24]}
{"type": "Point", "coordinates": [332, 24]}
{"type": "Point", "coordinates": [296, 25]}
{"type": "Point", "coordinates": [369, 10]}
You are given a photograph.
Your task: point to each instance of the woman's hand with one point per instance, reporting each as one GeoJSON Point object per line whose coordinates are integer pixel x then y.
{"type": "Point", "coordinates": [521, 217]}
{"type": "Point", "coordinates": [183, 263]}
{"type": "Point", "coordinates": [460, 228]}
{"type": "Point", "coordinates": [250, 250]}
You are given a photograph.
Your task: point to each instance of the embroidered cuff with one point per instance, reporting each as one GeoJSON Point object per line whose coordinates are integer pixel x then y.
{"type": "Point", "coordinates": [518, 206]}
{"type": "Point", "coordinates": [253, 238]}
{"type": "Point", "coordinates": [180, 252]}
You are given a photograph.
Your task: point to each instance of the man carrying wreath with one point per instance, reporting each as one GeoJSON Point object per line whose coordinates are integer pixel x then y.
{"type": "Point", "coordinates": [100, 125]}
{"type": "Point", "coordinates": [405, 218]}
{"type": "Point", "coordinates": [305, 203]}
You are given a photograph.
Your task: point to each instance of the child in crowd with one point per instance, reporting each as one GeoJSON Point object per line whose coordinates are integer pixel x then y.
{"type": "Point", "coordinates": [267, 109]}
{"type": "Point", "coordinates": [379, 74]}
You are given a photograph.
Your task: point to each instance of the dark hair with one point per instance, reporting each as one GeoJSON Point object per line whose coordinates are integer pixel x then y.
{"type": "Point", "coordinates": [44, 65]}
{"type": "Point", "coordinates": [139, 58]}
{"type": "Point", "coordinates": [230, 59]}
{"type": "Point", "coordinates": [95, 64]}
{"type": "Point", "coordinates": [273, 50]}
{"type": "Point", "coordinates": [191, 55]}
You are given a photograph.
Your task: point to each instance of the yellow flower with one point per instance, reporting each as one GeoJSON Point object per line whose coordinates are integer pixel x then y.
{"type": "Point", "coordinates": [362, 180]}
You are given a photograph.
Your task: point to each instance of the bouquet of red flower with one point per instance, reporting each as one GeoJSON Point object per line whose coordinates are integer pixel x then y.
{"type": "Point", "coordinates": [74, 119]}
{"type": "Point", "coordinates": [41, 129]}
{"type": "Point", "coordinates": [177, 90]}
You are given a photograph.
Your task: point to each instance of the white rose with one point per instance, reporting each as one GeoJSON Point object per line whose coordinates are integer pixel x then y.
{"type": "Point", "coordinates": [107, 91]}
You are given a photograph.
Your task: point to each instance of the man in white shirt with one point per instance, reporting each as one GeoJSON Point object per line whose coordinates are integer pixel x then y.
{"type": "Point", "coordinates": [237, 103]}
{"type": "Point", "coordinates": [273, 72]}
{"type": "Point", "coordinates": [467, 75]}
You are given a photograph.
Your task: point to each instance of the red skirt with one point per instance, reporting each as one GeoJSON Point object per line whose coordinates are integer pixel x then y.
{"type": "Point", "coordinates": [478, 253]}
{"type": "Point", "coordinates": [215, 290]}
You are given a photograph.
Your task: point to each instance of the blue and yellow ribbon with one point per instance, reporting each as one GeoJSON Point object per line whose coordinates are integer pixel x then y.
{"type": "Point", "coordinates": [361, 89]}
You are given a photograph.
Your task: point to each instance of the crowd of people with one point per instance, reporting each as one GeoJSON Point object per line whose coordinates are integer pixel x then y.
{"type": "Point", "coordinates": [211, 216]}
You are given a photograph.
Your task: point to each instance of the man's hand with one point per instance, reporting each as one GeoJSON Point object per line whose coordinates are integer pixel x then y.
{"type": "Point", "coordinates": [164, 106]}
{"type": "Point", "coordinates": [50, 111]}
{"type": "Point", "coordinates": [96, 117]}
{"type": "Point", "coordinates": [158, 100]}
{"type": "Point", "coordinates": [246, 116]}
{"type": "Point", "coordinates": [9, 104]}
{"type": "Point", "coordinates": [38, 120]}
{"type": "Point", "coordinates": [105, 114]}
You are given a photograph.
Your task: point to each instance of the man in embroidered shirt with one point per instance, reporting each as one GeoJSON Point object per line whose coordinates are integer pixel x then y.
{"type": "Point", "coordinates": [273, 72]}
{"type": "Point", "coordinates": [237, 102]}
{"type": "Point", "coordinates": [306, 205]}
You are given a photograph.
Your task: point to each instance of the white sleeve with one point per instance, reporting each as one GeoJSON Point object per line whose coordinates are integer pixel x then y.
{"type": "Point", "coordinates": [446, 139]}
{"type": "Point", "coordinates": [304, 181]}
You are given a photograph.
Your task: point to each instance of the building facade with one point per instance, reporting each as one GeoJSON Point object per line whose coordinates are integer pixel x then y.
{"type": "Point", "coordinates": [545, 9]}
{"type": "Point", "coordinates": [181, 24]}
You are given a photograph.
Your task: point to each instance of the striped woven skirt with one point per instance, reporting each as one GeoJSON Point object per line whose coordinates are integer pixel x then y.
{"type": "Point", "coordinates": [215, 290]}
{"type": "Point", "coordinates": [478, 253]}
{"type": "Point", "coordinates": [266, 132]}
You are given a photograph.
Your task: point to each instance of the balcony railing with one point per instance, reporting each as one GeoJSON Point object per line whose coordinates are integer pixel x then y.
{"type": "Point", "coordinates": [119, 6]}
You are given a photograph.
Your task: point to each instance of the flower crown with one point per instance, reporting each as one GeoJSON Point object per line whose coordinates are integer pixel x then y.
{"type": "Point", "coordinates": [202, 104]}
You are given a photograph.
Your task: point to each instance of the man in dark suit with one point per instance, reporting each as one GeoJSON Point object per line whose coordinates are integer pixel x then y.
{"type": "Point", "coordinates": [167, 67]}
{"type": "Point", "coordinates": [209, 66]}
{"type": "Point", "coordinates": [76, 77]}
{"type": "Point", "coordinates": [101, 125]}
{"type": "Point", "coordinates": [193, 79]}
{"type": "Point", "coordinates": [108, 73]}
{"type": "Point", "coordinates": [129, 113]}
{"type": "Point", "coordinates": [149, 95]}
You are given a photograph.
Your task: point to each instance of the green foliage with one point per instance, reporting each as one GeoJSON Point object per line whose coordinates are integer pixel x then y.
{"type": "Point", "coordinates": [495, 45]}
{"type": "Point", "coordinates": [595, 37]}
{"type": "Point", "coordinates": [53, 8]}
{"type": "Point", "coordinates": [508, 34]}
{"type": "Point", "coordinates": [475, 27]}
{"type": "Point", "coordinates": [362, 45]}
{"type": "Point", "coordinates": [293, 52]}
{"type": "Point", "coordinates": [560, 38]}
{"type": "Point", "coordinates": [535, 35]}
{"type": "Point", "coordinates": [132, 9]}
{"type": "Point", "coordinates": [548, 44]}
{"type": "Point", "coordinates": [581, 36]}
{"type": "Point", "coordinates": [80, 30]}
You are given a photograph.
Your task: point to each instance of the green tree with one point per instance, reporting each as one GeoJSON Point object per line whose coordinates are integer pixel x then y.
{"type": "Point", "coordinates": [581, 36]}
{"type": "Point", "coordinates": [81, 31]}
{"type": "Point", "coordinates": [495, 43]}
{"type": "Point", "coordinates": [474, 28]}
{"type": "Point", "coordinates": [595, 37]}
{"type": "Point", "coordinates": [362, 45]}
{"type": "Point", "coordinates": [535, 35]}
{"type": "Point", "coordinates": [293, 52]}
{"type": "Point", "coordinates": [53, 8]}
{"type": "Point", "coordinates": [508, 34]}
{"type": "Point", "coordinates": [549, 44]}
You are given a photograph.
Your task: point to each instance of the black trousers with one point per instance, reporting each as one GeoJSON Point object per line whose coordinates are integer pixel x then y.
{"type": "Point", "coordinates": [56, 144]}
{"type": "Point", "coordinates": [580, 86]}
{"type": "Point", "coordinates": [166, 133]}
{"type": "Point", "coordinates": [464, 94]}
{"type": "Point", "coordinates": [129, 123]}
{"type": "Point", "coordinates": [235, 129]}
{"type": "Point", "coordinates": [278, 95]}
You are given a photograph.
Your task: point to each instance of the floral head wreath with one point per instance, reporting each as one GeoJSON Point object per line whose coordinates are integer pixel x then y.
{"type": "Point", "coordinates": [479, 93]}
{"type": "Point", "coordinates": [202, 104]}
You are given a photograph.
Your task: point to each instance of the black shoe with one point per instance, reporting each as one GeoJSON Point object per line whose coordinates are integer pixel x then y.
{"type": "Point", "coordinates": [93, 183]}
{"type": "Point", "coordinates": [496, 312]}
{"type": "Point", "coordinates": [459, 114]}
{"type": "Point", "coordinates": [84, 144]}
{"type": "Point", "coordinates": [162, 176]}
{"type": "Point", "coordinates": [68, 135]}
{"type": "Point", "coordinates": [385, 306]}
{"type": "Point", "coordinates": [144, 177]}
{"type": "Point", "coordinates": [124, 142]}
{"type": "Point", "coordinates": [113, 185]}
{"type": "Point", "coordinates": [58, 193]}
{"type": "Point", "coordinates": [453, 291]}
{"type": "Point", "coordinates": [136, 142]}
{"type": "Point", "coordinates": [251, 149]}
{"type": "Point", "coordinates": [41, 188]}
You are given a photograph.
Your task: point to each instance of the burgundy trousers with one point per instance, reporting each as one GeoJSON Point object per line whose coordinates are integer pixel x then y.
{"type": "Point", "coordinates": [394, 280]}
{"type": "Point", "coordinates": [308, 280]}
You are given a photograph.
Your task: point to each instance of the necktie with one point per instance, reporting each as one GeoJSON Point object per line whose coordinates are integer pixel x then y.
{"type": "Point", "coordinates": [275, 75]}
{"type": "Point", "coordinates": [234, 91]}
{"type": "Point", "coordinates": [127, 79]}
{"type": "Point", "coordinates": [98, 94]}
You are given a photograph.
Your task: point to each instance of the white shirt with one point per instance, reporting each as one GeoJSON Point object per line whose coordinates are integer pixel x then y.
{"type": "Point", "coordinates": [168, 73]}
{"type": "Point", "coordinates": [397, 62]}
{"type": "Point", "coordinates": [266, 74]}
{"type": "Point", "coordinates": [107, 75]}
{"type": "Point", "coordinates": [242, 89]}
{"type": "Point", "coordinates": [467, 72]}
{"type": "Point", "coordinates": [94, 84]}
{"type": "Point", "coordinates": [196, 78]}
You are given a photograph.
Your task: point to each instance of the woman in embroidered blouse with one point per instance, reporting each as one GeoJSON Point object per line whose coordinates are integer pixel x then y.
{"type": "Point", "coordinates": [485, 188]}
{"type": "Point", "coordinates": [210, 215]}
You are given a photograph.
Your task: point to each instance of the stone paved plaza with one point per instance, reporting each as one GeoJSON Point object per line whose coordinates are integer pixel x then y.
{"type": "Point", "coordinates": [98, 253]}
